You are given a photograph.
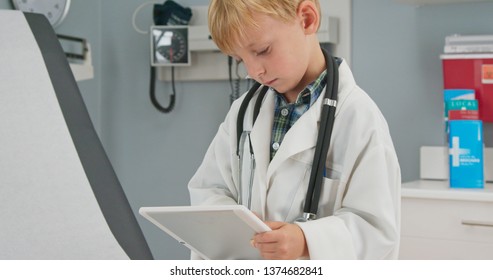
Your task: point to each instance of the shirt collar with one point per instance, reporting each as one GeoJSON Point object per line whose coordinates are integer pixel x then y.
{"type": "Point", "coordinates": [309, 94]}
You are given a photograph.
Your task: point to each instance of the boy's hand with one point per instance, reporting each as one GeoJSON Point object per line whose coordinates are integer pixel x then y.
{"type": "Point", "coordinates": [285, 241]}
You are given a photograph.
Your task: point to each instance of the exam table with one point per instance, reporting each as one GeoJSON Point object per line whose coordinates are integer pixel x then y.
{"type": "Point", "coordinates": [59, 195]}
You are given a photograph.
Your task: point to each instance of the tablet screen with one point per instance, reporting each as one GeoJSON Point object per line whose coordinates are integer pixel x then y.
{"type": "Point", "coordinates": [220, 232]}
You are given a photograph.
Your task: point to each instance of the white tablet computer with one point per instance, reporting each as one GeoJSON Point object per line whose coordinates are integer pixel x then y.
{"type": "Point", "coordinates": [217, 232]}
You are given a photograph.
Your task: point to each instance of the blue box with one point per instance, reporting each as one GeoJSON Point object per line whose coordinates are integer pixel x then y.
{"type": "Point", "coordinates": [460, 104]}
{"type": "Point", "coordinates": [454, 94]}
{"type": "Point", "coordinates": [466, 154]}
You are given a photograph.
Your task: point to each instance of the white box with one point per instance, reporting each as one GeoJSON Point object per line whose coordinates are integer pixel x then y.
{"type": "Point", "coordinates": [433, 163]}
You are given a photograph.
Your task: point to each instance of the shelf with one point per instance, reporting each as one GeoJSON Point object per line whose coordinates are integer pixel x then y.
{"type": "Point", "coordinates": [79, 56]}
{"type": "Point", "coordinates": [439, 189]}
{"type": "Point", "coordinates": [207, 63]}
{"type": "Point", "coordinates": [83, 70]}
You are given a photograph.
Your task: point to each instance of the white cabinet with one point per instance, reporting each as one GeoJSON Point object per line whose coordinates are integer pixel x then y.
{"type": "Point", "coordinates": [443, 223]}
{"type": "Point", "coordinates": [429, 2]}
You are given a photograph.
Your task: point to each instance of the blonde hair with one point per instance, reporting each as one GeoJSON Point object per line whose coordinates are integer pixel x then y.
{"type": "Point", "coordinates": [229, 18]}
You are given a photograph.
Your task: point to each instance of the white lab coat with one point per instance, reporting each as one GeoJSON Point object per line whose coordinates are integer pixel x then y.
{"type": "Point", "coordinates": [359, 209]}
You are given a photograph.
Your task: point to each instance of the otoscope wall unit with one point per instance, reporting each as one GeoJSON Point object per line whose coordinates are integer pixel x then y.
{"type": "Point", "coordinates": [208, 63]}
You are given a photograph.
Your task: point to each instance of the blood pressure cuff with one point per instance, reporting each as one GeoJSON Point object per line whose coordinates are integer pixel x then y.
{"type": "Point", "coordinates": [171, 13]}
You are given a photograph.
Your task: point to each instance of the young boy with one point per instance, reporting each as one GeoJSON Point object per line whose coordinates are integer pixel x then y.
{"type": "Point", "coordinates": [359, 209]}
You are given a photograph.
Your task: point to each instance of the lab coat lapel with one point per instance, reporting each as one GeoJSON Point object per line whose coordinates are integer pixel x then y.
{"type": "Point", "coordinates": [301, 137]}
{"type": "Point", "coordinates": [260, 136]}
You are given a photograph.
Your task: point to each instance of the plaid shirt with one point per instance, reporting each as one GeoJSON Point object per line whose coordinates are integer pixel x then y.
{"type": "Point", "coordinates": [285, 115]}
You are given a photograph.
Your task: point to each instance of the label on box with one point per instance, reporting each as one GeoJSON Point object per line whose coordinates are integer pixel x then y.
{"type": "Point", "coordinates": [466, 154]}
{"type": "Point", "coordinates": [487, 73]}
{"type": "Point", "coordinates": [460, 104]}
{"type": "Point", "coordinates": [463, 115]}
{"type": "Point", "coordinates": [452, 97]}
{"type": "Point", "coordinates": [456, 94]}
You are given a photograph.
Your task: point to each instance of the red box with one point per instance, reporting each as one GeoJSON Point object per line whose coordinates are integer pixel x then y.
{"type": "Point", "coordinates": [473, 71]}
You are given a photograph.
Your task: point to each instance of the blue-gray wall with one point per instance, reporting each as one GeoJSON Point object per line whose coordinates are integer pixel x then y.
{"type": "Point", "coordinates": [395, 58]}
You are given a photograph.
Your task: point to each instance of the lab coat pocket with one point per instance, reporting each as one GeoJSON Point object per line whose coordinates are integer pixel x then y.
{"type": "Point", "coordinates": [332, 170]}
{"type": "Point", "coordinates": [287, 188]}
{"type": "Point", "coordinates": [330, 197]}
{"type": "Point", "coordinates": [298, 197]}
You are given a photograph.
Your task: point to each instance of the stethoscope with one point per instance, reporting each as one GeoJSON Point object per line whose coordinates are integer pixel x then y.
{"type": "Point", "coordinates": [321, 149]}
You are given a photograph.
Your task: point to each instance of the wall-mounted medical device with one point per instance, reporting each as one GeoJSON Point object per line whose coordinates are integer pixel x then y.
{"type": "Point", "coordinates": [169, 46]}
{"type": "Point", "coordinates": [54, 10]}
{"type": "Point", "coordinates": [78, 52]}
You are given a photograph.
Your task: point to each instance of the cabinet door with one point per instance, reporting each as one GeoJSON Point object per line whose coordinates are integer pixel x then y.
{"type": "Point", "coordinates": [446, 229]}
{"type": "Point", "coordinates": [415, 248]}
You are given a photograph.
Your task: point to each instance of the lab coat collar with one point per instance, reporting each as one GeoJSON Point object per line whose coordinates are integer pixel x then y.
{"type": "Point", "coordinates": [303, 135]}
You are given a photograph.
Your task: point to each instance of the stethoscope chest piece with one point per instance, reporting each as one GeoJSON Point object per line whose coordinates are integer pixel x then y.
{"type": "Point", "coordinates": [306, 217]}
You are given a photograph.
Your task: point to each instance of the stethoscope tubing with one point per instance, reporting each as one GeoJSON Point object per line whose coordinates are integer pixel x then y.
{"type": "Point", "coordinates": [327, 118]}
